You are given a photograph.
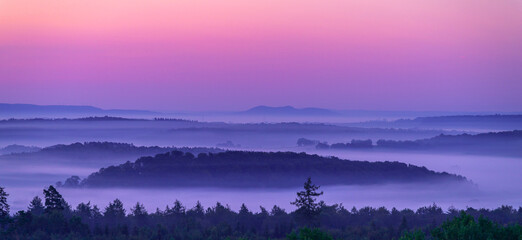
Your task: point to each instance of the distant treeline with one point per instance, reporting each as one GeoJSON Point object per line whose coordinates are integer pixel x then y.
{"type": "Point", "coordinates": [467, 118]}
{"type": "Point", "coordinates": [53, 218]}
{"type": "Point", "coordinates": [95, 118]}
{"type": "Point", "coordinates": [97, 151]}
{"type": "Point", "coordinates": [112, 147]}
{"type": "Point", "coordinates": [497, 121]}
{"type": "Point", "coordinates": [15, 148]}
{"type": "Point", "coordinates": [187, 125]}
{"type": "Point", "coordinates": [254, 169]}
{"type": "Point", "coordinates": [499, 143]}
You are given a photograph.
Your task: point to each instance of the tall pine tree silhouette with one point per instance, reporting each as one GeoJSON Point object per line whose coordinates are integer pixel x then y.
{"type": "Point", "coordinates": [53, 200]}
{"type": "Point", "coordinates": [4, 207]}
{"type": "Point", "coordinates": [306, 202]}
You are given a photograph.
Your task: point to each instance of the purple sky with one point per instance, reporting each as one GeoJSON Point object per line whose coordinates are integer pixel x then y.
{"type": "Point", "coordinates": [455, 55]}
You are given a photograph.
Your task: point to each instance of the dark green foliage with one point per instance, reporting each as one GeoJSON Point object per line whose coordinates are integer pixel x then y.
{"type": "Point", "coordinates": [309, 234]}
{"type": "Point", "coordinates": [465, 227]}
{"type": "Point", "coordinates": [414, 235]}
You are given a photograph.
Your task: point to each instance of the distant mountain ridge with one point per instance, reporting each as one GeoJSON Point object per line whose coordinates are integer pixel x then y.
{"type": "Point", "coordinates": [54, 111]}
{"type": "Point", "coordinates": [93, 119]}
{"type": "Point", "coordinates": [268, 113]}
{"type": "Point", "coordinates": [289, 111]}
{"type": "Point", "coordinates": [418, 116]}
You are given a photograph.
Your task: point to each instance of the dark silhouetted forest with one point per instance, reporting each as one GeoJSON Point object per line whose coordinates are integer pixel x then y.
{"type": "Point", "coordinates": [471, 122]}
{"type": "Point", "coordinates": [256, 169]}
{"type": "Point", "coordinates": [508, 143]}
{"type": "Point", "coordinates": [15, 148]}
{"type": "Point", "coordinates": [53, 218]}
{"type": "Point", "coordinates": [97, 151]}
{"type": "Point", "coordinates": [119, 148]}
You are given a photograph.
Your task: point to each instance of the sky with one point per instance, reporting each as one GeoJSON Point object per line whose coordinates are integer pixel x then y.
{"type": "Point", "coordinates": [199, 55]}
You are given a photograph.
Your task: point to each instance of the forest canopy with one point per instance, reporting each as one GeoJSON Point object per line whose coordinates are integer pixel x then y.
{"type": "Point", "coordinates": [255, 169]}
{"type": "Point", "coordinates": [53, 218]}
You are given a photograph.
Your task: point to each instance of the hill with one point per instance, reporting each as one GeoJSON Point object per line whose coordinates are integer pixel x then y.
{"type": "Point", "coordinates": [289, 111]}
{"type": "Point", "coordinates": [15, 148]}
{"type": "Point", "coordinates": [109, 152]}
{"type": "Point", "coordinates": [471, 122]}
{"type": "Point", "coordinates": [55, 111]}
{"type": "Point", "coordinates": [167, 132]}
{"type": "Point", "coordinates": [256, 169]}
{"type": "Point", "coordinates": [507, 143]}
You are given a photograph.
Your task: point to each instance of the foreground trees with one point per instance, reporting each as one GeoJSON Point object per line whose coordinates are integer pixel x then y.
{"type": "Point", "coordinates": [4, 207]}
{"type": "Point", "coordinates": [306, 202]}
{"type": "Point", "coordinates": [53, 200]}
{"type": "Point", "coordinates": [309, 234]}
{"type": "Point", "coordinates": [57, 220]}
{"type": "Point", "coordinates": [466, 227]}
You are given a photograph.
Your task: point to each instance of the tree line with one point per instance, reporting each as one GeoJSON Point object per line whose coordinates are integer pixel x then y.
{"type": "Point", "coordinates": [53, 218]}
{"type": "Point", "coordinates": [506, 143]}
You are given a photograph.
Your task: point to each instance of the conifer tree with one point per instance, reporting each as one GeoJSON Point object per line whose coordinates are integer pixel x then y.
{"type": "Point", "coordinates": [306, 201]}
{"type": "Point", "coordinates": [115, 212]}
{"type": "Point", "coordinates": [4, 206]}
{"type": "Point", "coordinates": [53, 200]}
{"type": "Point", "coordinates": [36, 206]}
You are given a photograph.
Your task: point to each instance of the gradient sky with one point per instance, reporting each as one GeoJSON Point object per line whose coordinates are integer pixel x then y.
{"type": "Point", "coordinates": [456, 55]}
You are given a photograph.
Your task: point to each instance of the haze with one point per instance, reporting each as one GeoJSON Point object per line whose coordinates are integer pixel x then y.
{"type": "Point", "coordinates": [492, 172]}
{"type": "Point", "coordinates": [363, 119]}
{"type": "Point", "coordinates": [450, 55]}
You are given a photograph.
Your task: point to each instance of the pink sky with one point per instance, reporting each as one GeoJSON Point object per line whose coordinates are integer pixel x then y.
{"type": "Point", "coordinates": [457, 55]}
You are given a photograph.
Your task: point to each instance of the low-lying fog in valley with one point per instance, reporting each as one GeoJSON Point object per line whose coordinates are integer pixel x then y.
{"type": "Point", "coordinates": [496, 182]}
{"type": "Point", "coordinates": [496, 178]}
{"type": "Point", "coordinates": [368, 119]}
{"type": "Point", "coordinates": [188, 133]}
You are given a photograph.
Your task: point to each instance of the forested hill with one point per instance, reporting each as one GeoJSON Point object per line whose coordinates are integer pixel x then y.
{"type": "Point", "coordinates": [96, 151]}
{"type": "Point", "coordinates": [124, 148]}
{"type": "Point", "coordinates": [15, 148]}
{"type": "Point", "coordinates": [507, 143]}
{"type": "Point", "coordinates": [508, 139]}
{"type": "Point", "coordinates": [472, 122]}
{"type": "Point", "coordinates": [31, 110]}
{"type": "Point", "coordinates": [256, 169]}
